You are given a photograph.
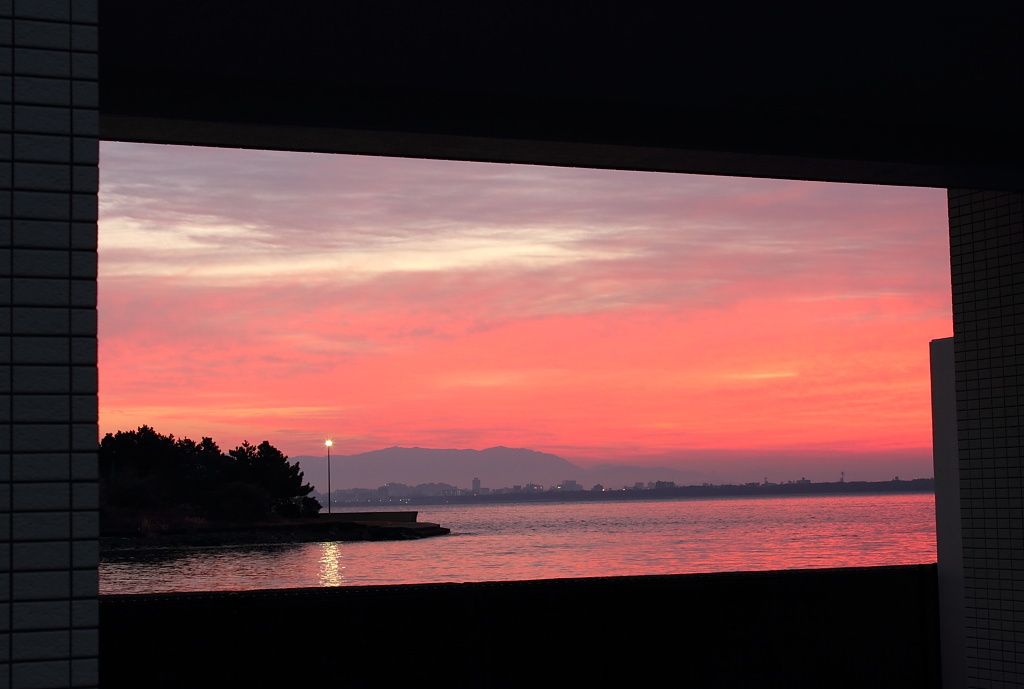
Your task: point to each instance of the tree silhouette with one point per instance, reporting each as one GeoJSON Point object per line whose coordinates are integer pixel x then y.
{"type": "Point", "coordinates": [159, 482]}
{"type": "Point", "coordinates": [266, 466]}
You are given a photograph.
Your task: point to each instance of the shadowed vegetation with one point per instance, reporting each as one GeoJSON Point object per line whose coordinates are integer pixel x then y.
{"type": "Point", "coordinates": [152, 483]}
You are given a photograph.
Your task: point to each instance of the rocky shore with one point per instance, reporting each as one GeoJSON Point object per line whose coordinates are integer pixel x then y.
{"type": "Point", "coordinates": [362, 526]}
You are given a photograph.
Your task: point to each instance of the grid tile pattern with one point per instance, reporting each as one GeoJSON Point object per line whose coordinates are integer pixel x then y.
{"type": "Point", "coordinates": [987, 252]}
{"type": "Point", "coordinates": [49, 125]}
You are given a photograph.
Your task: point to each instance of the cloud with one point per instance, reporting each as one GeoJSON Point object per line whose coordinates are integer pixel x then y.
{"type": "Point", "coordinates": [600, 310]}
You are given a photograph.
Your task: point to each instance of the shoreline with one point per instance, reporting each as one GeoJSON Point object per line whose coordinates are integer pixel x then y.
{"type": "Point", "coordinates": [363, 526]}
{"type": "Point", "coordinates": [921, 485]}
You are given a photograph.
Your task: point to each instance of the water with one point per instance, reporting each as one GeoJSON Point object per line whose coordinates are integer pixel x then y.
{"type": "Point", "coordinates": [558, 540]}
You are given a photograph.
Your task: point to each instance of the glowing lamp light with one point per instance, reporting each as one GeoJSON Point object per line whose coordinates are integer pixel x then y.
{"type": "Point", "coordinates": [328, 443]}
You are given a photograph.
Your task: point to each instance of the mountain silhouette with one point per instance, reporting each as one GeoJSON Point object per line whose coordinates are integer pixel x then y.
{"type": "Point", "coordinates": [496, 467]}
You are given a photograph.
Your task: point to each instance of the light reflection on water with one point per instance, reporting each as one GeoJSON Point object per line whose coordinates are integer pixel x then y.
{"type": "Point", "coordinates": [332, 571]}
{"type": "Point", "coordinates": [558, 540]}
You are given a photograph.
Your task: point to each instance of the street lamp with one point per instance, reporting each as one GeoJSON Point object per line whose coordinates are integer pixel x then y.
{"type": "Point", "coordinates": [328, 443]}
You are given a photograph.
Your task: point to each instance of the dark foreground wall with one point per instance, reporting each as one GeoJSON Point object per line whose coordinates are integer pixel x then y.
{"type": "Point", "coordinates": [867, 627]}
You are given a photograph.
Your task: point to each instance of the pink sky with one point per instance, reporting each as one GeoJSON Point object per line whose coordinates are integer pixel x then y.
{"type": "Point", "coordinates": [718, 323]}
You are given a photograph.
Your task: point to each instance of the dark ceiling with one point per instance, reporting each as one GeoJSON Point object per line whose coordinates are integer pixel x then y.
{"type": "Point", "coordinates": [841, 92]}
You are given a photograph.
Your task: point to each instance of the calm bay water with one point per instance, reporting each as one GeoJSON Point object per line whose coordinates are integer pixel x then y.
{"type": "Point", "coordinates": [559, 540]}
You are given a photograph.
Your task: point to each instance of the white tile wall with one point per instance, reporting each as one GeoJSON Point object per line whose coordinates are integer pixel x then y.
{"type": "Point", "coordinates": [987, 249]}
{"type": "Point", "coordinates": [48, 411]}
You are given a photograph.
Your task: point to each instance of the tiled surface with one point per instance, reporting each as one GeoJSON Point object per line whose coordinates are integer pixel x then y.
{"type": "Point", "coordinates": [987, 249]}
{"type": "Point", "coordinates": [48, 412]}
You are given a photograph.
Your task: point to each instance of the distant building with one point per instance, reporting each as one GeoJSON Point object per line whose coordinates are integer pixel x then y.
{"type": "Point", "coordinates": [569, 486]}
{"type": "Point", "coordinates": [476, 485]}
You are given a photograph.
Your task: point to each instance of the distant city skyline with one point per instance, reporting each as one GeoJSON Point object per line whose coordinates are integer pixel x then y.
{"type": "Point", "coordinates": [716, 325]}
{"type": "Point", "coordinates": [397, 493]}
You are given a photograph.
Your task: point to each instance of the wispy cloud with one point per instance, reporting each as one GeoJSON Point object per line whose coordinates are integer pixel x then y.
{"type": "Point", "coordinates": [412, 301]}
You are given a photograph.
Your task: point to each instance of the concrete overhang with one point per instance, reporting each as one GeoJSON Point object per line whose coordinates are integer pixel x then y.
{"type": "Point", "coordinates": [849, 92]}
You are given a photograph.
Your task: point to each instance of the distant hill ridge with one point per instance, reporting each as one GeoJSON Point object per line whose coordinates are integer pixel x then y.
{"type": "Point", "coordinates": [496, 467]}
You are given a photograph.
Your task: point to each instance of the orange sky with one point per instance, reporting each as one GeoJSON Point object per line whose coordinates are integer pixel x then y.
{"type": "Point", "coordinates": [728, 325]}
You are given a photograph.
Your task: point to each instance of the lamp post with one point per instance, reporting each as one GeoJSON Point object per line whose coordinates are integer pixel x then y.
{"type": "Point", "coordinates": [328, 443]}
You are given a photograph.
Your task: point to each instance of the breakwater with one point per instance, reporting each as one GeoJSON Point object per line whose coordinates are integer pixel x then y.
{"type": "Point", "coordinates": [351, 526]}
